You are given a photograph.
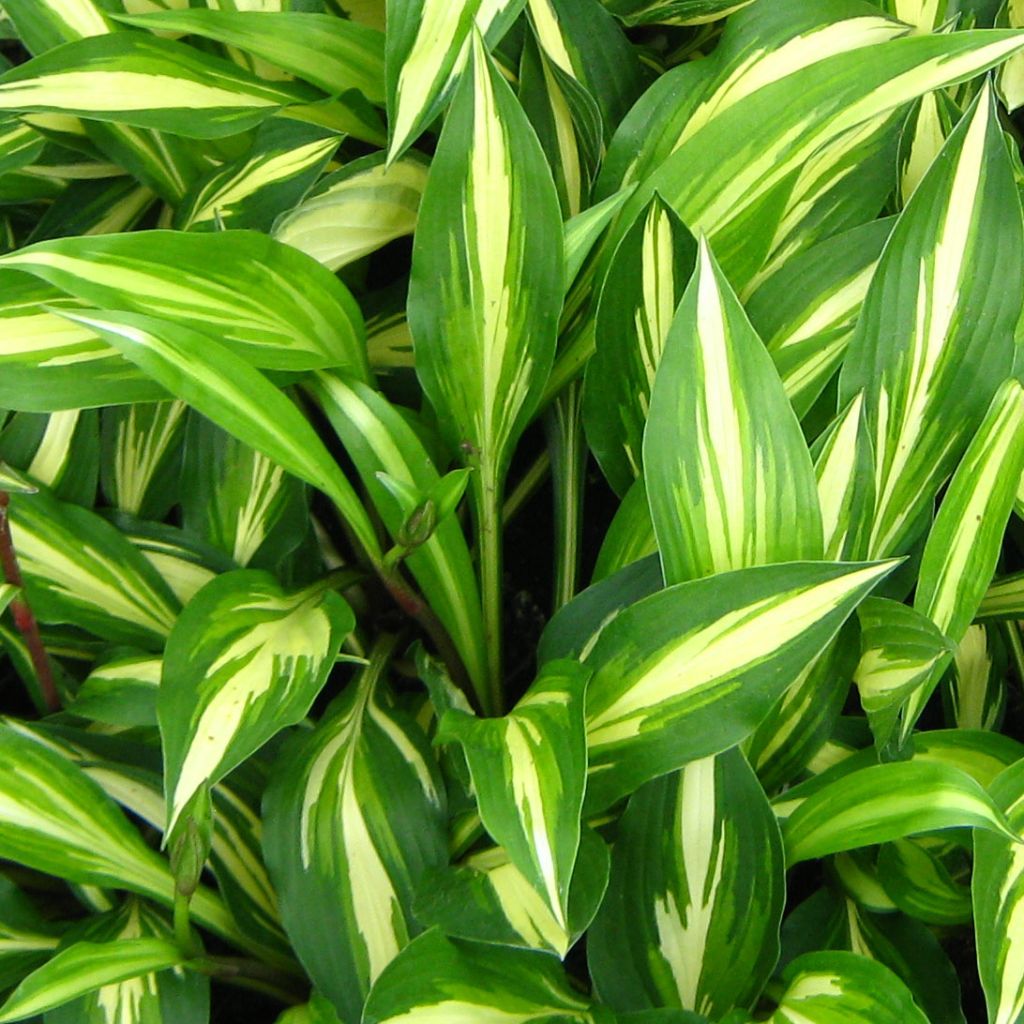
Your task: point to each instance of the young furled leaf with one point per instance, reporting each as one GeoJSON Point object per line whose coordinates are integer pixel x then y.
{"type": "Point", "coordinates": [354, 818]}
{"type": "Point", "coordinates": [245, 659]}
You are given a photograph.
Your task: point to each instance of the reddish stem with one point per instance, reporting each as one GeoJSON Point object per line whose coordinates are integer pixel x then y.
{"type": "Point", "coordinates": [24, 620]}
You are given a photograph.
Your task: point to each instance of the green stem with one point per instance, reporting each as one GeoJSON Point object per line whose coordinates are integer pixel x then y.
{"type": "Point", "coordinates": [183, 934]}
{"type": "Point", "coordinates": [563, 422]}
{"type": "Point", "coordinates": [527, 487]}
{"type": "Point", "coordinates": [487, 506]}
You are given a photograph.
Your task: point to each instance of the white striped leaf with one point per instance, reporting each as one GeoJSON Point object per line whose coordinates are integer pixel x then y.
{"type": "Point", "coordinates": [20, 144]}
{"type": "Point", "coordinates": [843, 466]}
{"type": "Point", "coordinates": [529, 772]}
{"type": "Point", "coordinates": [357, 210]}
{"type": "Point", "coordinates": [426, 41]}
{"type": "Point", "coordinates": [438, 979]}
{"type": "Point", "coordinates": [183, 563]}
{"type": "Point", "coordinates": [95, 208]}
{"type": "Point", "coordinates": [882, 802]}
{"type": "Point", "coordinates": [379, 439]}
{"type": "Point", "coordinates": [673, 12]}
{"type": "Point", "coordinates": [240, 286]}
{"type": "Point", "coordinates": [828, 81]}
{"type": "Point", "coordinates": [44, 24]}
{"type": "Point", "coordinates": [244, 660]}
{"type": "Point", "coordinates": [141, 450]}
{"type": "Point", "coordinates": [1004, 598]}
{"type": "Point", "coordinates": [491, 231]}
{"type": "Point", "coordinates": [8, 592]}
{"type": "Point", "coordinates": [250, 192]}
{"type": "Point", "coordinates": [85, 967]}
{"type": "Point", "coordinates": [55, 819]}
{"type": "Point", "coordinates": [645, 282]}
{"type": "Point", "coordinates": [583, 231]}
{"type": "Point", "coordinates": [348, 55]}
{"type": "Point", "coordinates": [236, 499]}
{"type": "Point", "coordinates": [693, 670]}
{"type": "Point", "coordinates": [918, 876]}
{"type": "Point", "coordinates": [121, 691]}
{"type": "Point", "coordinates": [900, 650]}
{"type": "Point", "coordinates": [807, 309]}
{"type": "Point", "coordinates": [729, 477]}
{"type": "Point", "coordinates": [840, 988]}
{"type": "Point", "coordinates": [488, 899]}
{"type": "Point", "coordinates": [929, 124]}
{"type": "Point", "coordinates": [135, 79]}
{"type": "Point", "coordinates": [963, 546]}
{"type": "Point", "coordinates": [353, 818]}
{"type": "Point", "coordinates": [998, 892]}
{"type": "Point", "coordinates": [630, 536]}
{"type": "Point", "coordinates": [976, 686]}
{"type": "Point", "coordinates": [918, 344]}
{"type": "Point", "coordinates": [158, 997]}
{"type": "Point", "coordinates": [80, 569]}
{"type": "Point", "coordinates": [238, 398]}
{"type": "Point", "coordinates": [49, 364]}
{"type": "Point", "coordinates": [1010, 79]}
{"type": "Point", "coordinates": [695, 901]}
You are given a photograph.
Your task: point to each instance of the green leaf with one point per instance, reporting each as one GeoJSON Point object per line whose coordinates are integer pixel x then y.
{"type": "Point", "coordinates": [235, 396]}
{"type": "Point", "coordinates": [426, 41]}
{"type": "Point", "coordinates": [121, 691]}
{"type": "Point", "coordinates": [43, 24]}
{"type": "Point", "coordinates": [630, 536]}
{"type": "Point", "coordinates": [490, 233]}
{"type": "Point", "coordinates": [357, 210]}
{"type": "Point", "coordinates": [998, 891]}
{"type": "Point", "coordinates": [729, 477]}
{"type": "Point", "coordinates": [918, 876]}
{"type": "Point", "coordinates": [884, 802]}
{"type": "Point", "coordinates": [529, 771]}
{"type": "Point", "coordinates": [672, 12]}
{"type": "Point", "coordinates": [836, 987]}
{"type": "Point", "coordinates": [240, 286]}
{"type": "Point", "coordinates": [648, 275]}
{"type": "Point", "coordinates": [693, 670]}
{"type": "Point", "coordinates": [1004, 598]}
{"type": "Point", "coordinates": [354, 816]}
{"type": "Point", "coordinates": [140, 80]}
{"type": "Point", "coordinates": [918, 346]}
{"type": "Point", "coordinates": [348, 55]}
{"type": "Point", "coordinates": [55, 819]}
{"type": "Point", "coordinates": [693, 909]}
{"type": "Point", "coordinates": [80, 569]}
{"type": "Point", "coordinates": [245, 659]}
{"type": "Point", "coordinates": [85, 967]}
{"type": "Point", "coordinates": [436, 978]}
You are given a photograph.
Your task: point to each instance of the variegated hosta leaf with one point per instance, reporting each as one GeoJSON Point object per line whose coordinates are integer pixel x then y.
{"type": "Point", "coordinates": [141, 448]}
{"type": "Point", "coordinates": [379, 439]}
{"type": "Point", "coordinates": [85, 967]}
{"type": "Point", "coordinates": [348, 55]}
{"type": "Point", "coordinates": [238, 500]}
{"type": "Point", "coordinates": [135, 79]}
{"type": "Point", "coordinates": [488, 899]}
{"type": "Point", "coordinates": [20, 144]}
{"type": "Point", "coordinates": [43, 24]}
{"type": "Point", "coordinates": [900, 650]}
{"type": "Point", "coordinates": [673, 12]}
{"type": "Point", "coordinates": [184, 563]}
{"type": "Point", "coordinates": [529, 772]}
{"type": "Point", "coordinates": [925, 131]}
{"type": "Point", "coordinates": [693, 670]}
{"type": "Point", "coordinates": [807, 309]}
{"type": "Point", "coordinates": [426, 42]}
{"type": "Point", "coordinates": [729, 477]}
{"type": "Point", "coordinates": [440, 979]}
{"type": "Point", "coordinates": [158, 997]}
{"type": "Point", "coordinates": [354, 816]}
{"type": "Point", "coordinates": [49, 364]}
{"type": "Point", "coordinates": [80, 569]}
{"type": "Point", "coordinates": [835, 987]}
{"type": "Point", "coordinates": [977, 686]}
{"type": "Point", "coordinates": [828, 78]}
{"type": "Point", "coordinates": [27, 939]}
{"type": "Point", "coordinates": [235, 396]}
{"type": "Point", "coordinates": [122, 691]}
{"type": "Point", "coordinates": [928, 879]}
{"type": "Point", "coordinates": [884, 802]}
{"type": "Point", "coordinates": [630, 536]}
{"type": "Point", "coordinates": [357, 210]}
{"type": "Point", "coordinates": [55, 819]}
{"type": "Point", "coordinates": [1004, 598]}
{"type": "Point", "coordinates": [244, 660]}
{"type": "Point", "coordinates": [269, 304]}
{"type": "Point", "coordinates": [694, 904]}
{"type": "Point", "coordinates": [645, 282]}
{"type": "Point", "coordinates": [583, 231]}
{"type": "Point", "coordinates": [487, 271]}
{"type": "Point", "coordinates": [251, 192]}
{"type": "Point", "coordinates": [920, 342]}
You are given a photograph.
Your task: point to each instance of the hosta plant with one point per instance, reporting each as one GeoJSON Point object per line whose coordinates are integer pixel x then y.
{"type": "Point", "coordinates": [511, 511]}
